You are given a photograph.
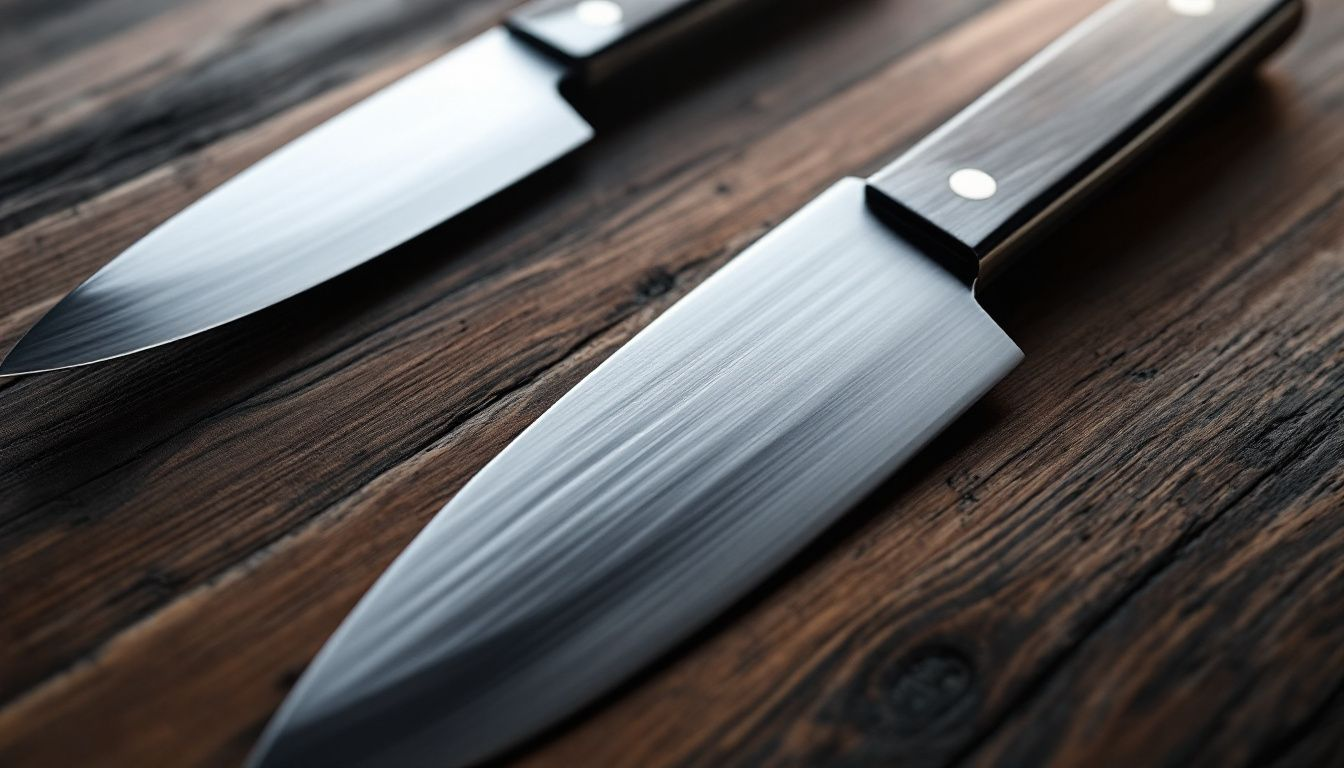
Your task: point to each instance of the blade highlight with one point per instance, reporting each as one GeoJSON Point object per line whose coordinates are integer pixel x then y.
{"type": "Point", "coordinates": [409, 157]}
{"type": "Point", "coordinates": [674, 478]}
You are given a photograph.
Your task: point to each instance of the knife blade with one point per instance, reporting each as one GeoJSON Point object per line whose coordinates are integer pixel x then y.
{"type": "Point", "coordinates": [413, 155]}
{"type": "Point", "coordinates": [707, 451]}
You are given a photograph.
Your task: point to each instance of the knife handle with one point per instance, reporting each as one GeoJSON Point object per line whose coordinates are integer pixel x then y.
{"type": "Point", "coordinates": [1015, 159]}
{"type": "Point", "coordinates": [599, 36]}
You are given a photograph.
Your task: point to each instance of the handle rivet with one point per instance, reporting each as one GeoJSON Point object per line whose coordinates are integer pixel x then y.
{"type": "Point", "coordinates": [1192, 7]}
{"type": "Point", "coordinates": [599, 13]}
{"type": "Point", "coordinates": [973, 184]}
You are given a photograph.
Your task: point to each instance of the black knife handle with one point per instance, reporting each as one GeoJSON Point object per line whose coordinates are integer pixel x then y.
{"type": "Point", "coordinates": [1011, 162]}
{"type": "Point", "coordinates": [604, 34]}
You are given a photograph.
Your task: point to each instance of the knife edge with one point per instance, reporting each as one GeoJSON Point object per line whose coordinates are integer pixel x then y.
{"type": "Point", "coordinates": [745, 457]}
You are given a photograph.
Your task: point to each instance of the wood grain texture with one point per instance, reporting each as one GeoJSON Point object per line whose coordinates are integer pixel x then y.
{"type": "Point", "coordinates": [1130, 553]}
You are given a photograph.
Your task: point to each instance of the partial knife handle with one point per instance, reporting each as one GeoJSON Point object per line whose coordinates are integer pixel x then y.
{"type": "Point", "coordinates": [599, 36]}
{"type": "Point", "coordinates": [1011, 162]}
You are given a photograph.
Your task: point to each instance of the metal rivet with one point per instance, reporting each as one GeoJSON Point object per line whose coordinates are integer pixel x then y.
{"type": "Point", "coordinates": [973, 184]}
{"type": "Point", "coordinates": [1192, 7]}
{"type": "Point", "coordinates": [599, 13]}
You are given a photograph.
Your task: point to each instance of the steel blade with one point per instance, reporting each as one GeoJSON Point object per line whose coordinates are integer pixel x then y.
{"type": "Point", "coordinates": [674, 478]}
{"type": "Point", "coordinates": [411, 156]}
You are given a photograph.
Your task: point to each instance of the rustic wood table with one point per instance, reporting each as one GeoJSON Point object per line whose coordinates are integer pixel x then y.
{"type": "Point", "coordinates": [1132, 553]}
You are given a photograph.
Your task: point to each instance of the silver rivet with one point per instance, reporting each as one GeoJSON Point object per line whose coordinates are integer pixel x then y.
{"type": "Point", "coordinates": [599, 13]}
{"type": "Point", "coordinates": [1192, 7]}
{"type": "Point", "coordinates": [973, 184]}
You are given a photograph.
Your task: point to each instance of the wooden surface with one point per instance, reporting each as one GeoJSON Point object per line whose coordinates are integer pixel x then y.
{"type": "Point", "coordinates": [1131, 553]}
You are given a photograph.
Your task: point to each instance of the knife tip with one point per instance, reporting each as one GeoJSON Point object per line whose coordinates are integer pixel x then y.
{"type": "Point", "coordinates": [47, 347]}
{"type": "Point", "coordinates": [21, 360]}
{"type": "Point", "coordinates": [12, 365]}
{"type": "Point", "coordinates": [33, 353]}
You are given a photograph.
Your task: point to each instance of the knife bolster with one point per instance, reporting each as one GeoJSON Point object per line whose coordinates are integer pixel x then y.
{"type": "Point", "coordinates": [1018, 159]}
{"type": "Point", "coordinates": [597, 48]}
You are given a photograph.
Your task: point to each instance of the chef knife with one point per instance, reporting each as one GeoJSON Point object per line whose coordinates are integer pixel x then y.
{"type": "Point", "coordinates": [747, 418]}
{"type": "Point", "coordinates": [417, 153]}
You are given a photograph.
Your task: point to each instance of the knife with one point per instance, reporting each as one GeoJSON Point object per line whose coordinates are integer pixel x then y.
{"type": "Point", "coordinates": [411, 156]}
{"type": "Point", "coordinates": [707, 451]}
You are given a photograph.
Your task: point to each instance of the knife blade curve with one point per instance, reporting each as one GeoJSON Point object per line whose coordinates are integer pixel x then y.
{"type": "Point", "coordinates": [413, 155]}
{"type": "Point", "coordinates": [676, 476]}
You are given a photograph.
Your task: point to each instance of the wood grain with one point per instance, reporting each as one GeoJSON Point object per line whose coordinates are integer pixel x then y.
{"type": "Point", "coordinates": [1129, 554]}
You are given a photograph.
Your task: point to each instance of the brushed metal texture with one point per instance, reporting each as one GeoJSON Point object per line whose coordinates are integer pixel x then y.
{"type": "Point", "coordinates": [407, 158]}
{"type": "Point", "coordinates": [674, 478]}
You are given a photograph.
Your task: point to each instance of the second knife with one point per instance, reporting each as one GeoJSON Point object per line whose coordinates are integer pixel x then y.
{"type": "Point", "coordinates": [413, 155]}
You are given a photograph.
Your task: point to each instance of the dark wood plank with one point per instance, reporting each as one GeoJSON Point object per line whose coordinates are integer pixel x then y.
{"type": "Point", "coordinates": [1126, 555]}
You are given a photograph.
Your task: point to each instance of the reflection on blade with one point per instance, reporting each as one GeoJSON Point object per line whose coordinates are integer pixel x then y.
{"type": "Point", "coordinates": [409, 157]}
{"type": "Point", "coordinates": [668, 483]}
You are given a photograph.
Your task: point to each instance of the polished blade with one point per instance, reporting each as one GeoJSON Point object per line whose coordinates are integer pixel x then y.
{"type": "Point", "coordinates": [415, 154]}
{"type": "Point", "coordinates": [670, 481]}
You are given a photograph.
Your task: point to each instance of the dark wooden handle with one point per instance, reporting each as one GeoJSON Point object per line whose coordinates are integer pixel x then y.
{"type": "Point", "coordinates": [1010, 162]}
{"type": "Point", "coordinates": [599, 32]}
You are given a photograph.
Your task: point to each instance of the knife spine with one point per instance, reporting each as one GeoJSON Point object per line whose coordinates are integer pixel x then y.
{"type": "Point", "coordinates": [971, 263]}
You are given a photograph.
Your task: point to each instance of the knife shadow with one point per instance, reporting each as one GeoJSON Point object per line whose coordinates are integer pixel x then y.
{"type": "Point", "coordinates": [1115, 238]}
{"type": "Point", "coordinates": [1158, 192]}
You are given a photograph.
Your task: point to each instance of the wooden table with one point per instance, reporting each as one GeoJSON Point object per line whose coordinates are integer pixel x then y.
{"type": "Point", "coordinates": [1131, 553]}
